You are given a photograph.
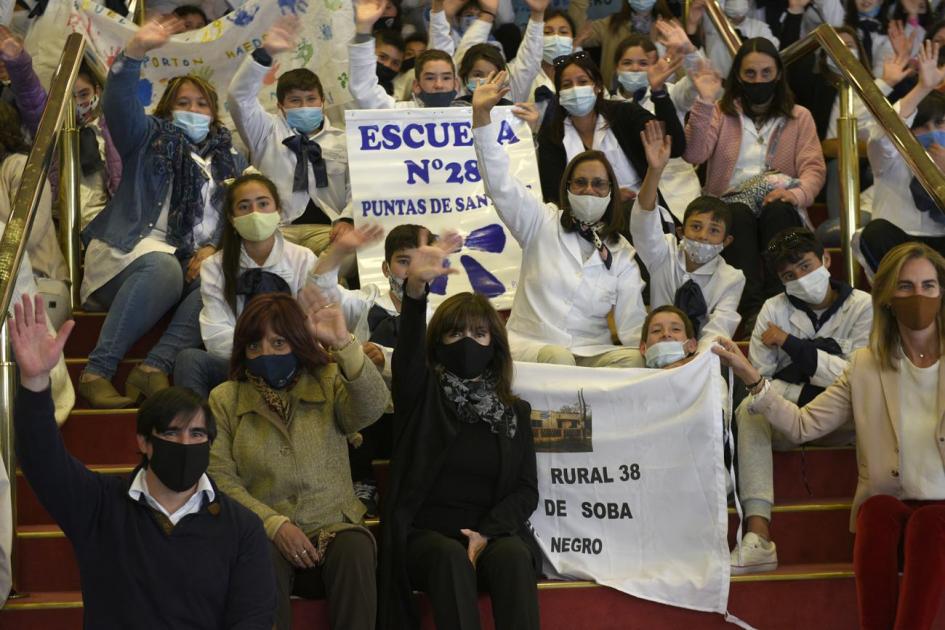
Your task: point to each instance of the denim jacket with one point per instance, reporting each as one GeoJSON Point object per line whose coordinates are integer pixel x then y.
{"type": "Point", "coordinates": [133, 210]}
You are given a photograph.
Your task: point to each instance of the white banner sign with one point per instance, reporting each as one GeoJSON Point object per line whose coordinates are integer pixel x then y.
{"type": "Point", "coordinates": [631, 478]}
{"type": "Point", "coordinates": [213, 52]}
{"type": "Point", "coordinates": [419, 166]}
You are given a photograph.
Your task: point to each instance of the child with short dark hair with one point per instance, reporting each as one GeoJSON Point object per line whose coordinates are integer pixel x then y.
{"type": "Point", "coordinates": [303, 153]}
{"type": "Point", "coordinates": [689, 274]}
{"type": "Point", "coordinates": [801, 342]}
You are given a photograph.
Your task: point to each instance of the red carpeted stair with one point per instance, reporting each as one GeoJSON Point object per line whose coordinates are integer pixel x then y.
{"type": "Point", "coordinates": [812, 589]}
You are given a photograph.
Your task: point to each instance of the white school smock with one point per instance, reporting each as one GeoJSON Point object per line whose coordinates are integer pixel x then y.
{"type": "Point", "coordinates": [665, 259]}
{"type": "Point", "coordinates": [606, 142]}
{"type": "Point", "coordinates": [849, 326]}
{"type": "Point", "coordinates": [892, 199]}
{"type": "Point", "coordinates": [290, 262]}
{"type": "Point", "coordinates": [560, 298]}
{"type": "Point", "coordinates": [263, 133]}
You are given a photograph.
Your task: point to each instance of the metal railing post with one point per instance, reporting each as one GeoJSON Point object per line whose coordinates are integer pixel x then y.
{"type": "Point", "coordinates": [69, 200]}
{"type": "Point", "coordinates": [725, 29]}
{"type": "Point", "coordinates": [849, 162]}
{"type": "Point", "coordinates": [8, 385]}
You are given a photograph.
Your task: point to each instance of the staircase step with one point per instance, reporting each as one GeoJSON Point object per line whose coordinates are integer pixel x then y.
{"type": "Point", "coordinates": [830, 472]}
{"type": "Point", "coordinates": [88, 326]}
{"type": "Point", "coordinates": [100, 437]}
{"type": "Point", "coordinates": [770, 601]}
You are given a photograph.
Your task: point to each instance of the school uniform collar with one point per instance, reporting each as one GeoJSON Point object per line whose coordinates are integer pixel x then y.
{"type": "Point", "coordinates": [278, 250]}
{"type": "Point", "coordinates": [139, 493]}
{"type": "Point", "coordinates": [843, 291]}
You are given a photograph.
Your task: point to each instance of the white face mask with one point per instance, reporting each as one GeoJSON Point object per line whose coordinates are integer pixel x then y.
{"type": "Point", "coordinates": [811, 288]}
{"type": "Point", "coordinates": [664, 353]}
{"type": "Point", "coordinates": [554, 46]}
{"type": "Point", "coordinates": [588, 208]}
{"type": "Point", "coordinates": [736, 9]}
{"type": "Point", "coordinates": [700, 253]}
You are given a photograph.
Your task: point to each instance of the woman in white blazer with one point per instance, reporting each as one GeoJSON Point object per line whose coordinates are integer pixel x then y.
{"type": "Point", "coordinates": [576, 267]}
{"type": "Point", "coordinates": [894, 391]}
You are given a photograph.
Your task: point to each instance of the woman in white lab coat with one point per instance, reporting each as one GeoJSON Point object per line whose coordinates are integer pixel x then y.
{"type": "Point", "coordinates": [576, 268]}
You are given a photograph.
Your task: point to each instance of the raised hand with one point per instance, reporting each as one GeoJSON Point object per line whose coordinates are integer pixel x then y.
{"type": "Point", "coordinates": [488, 95]}
{"type": "Point", "coordinates": [658, 72]}
{"type": "Point", "coordinates": [153, 34]}
{"type": "Point", "coordinates": [797, 6]}
{"type": "Point", "coordinates": [694, 18]}
{"type": "Point", "coordinates": [674, 36]}
{"type": "Point", "coordinates": [36, 349]}
{"type": "Point", "coordinates": [357, 237]}
{"type": "Point", "coordinates": [451, 7]}
{"type": "Point", "coordinates": [901, 44]}
{"type": "Point", "coordinates": [367, 13]}
{"type": "Point", "coordinates": [930, 74]}
{"type": "Point", "coordinates": [896, 68]}
{"type": "Point", "coordinates": [538, 8]}
{"type": "Point", "coordinates": [283, 35]}
{"type": "Point", "coordinates": [10, 45]}
{"type": "Point", "coordinates": [707, 81]}
{"type": "Point", "coordinates": [656, 145]}
{"type": "Point", "coordinates": [490, 7]}
{"type": "Point", "coordinates": [529, 113]}
{"type": "Point", "coordinates": [326, 322]}
{"type": "Point", "coordinates": [428, 261]}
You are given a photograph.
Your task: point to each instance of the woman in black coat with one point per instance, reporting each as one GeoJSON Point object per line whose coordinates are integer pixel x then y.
{"type": "Point", "coordinates": [582, 118]}
{"type": "Point", "coordinates": [463, 481]}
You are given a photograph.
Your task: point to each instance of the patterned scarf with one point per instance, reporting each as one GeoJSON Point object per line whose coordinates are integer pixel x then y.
{"type": "Point", "coordinates": [172, 150]}
{"type": "Point", "coordinates": [276, 400]}
{"type": "Point", "coordinates": [589, 233]}
{"type": "Point", "coordinates": [478, 400]}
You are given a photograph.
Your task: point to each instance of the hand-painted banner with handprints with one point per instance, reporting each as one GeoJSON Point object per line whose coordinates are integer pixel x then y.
{"type": "Point", "coordinates": [213, 52]}
{"type": "Point", "coordinates": [419, 166]}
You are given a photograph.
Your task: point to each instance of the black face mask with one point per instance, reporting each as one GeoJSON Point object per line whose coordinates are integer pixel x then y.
{"type": "Point", "coordinates": [408, 64]}
{"type": "Point", "coordinates": [466, 358]}
{"type": "Point", "coordinates": [276, 369]}
{"type": "Point", "coordinates": [437, 99]}
{"type": "Point", "coordinates": [388, 23]}
{"type": "Point", "coordinates": [758, 93]}
{"type": "Point", "coordinates": [178, 466]}
{"type": "Point", "coordinates": [385, 77]}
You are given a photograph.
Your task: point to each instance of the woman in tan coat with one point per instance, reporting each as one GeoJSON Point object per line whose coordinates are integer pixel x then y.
{"type": "Point", "coordinates": [281, 449]}
{"type": "Point", "coordinates": [894, 391]}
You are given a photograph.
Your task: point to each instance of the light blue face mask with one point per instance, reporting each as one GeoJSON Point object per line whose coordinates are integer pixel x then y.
{"type": "Point", "coordinates": [579, 100]}
{"type": "Point", "coordinates": [194, 124]}
{"type": "Point", "coordinates": [554, 46]}
{"type": "Point", "coordinates": [304, 119]}
{"type": "Point", "coordinates": [642, 6]}
{"type": "Point", "coordinates": [632, 81]}
{"type": "Point", "coordinates": [932, 137]}
{"type": "Point", "coordinates": [472, 84]}
{"type": "Point", "coordinates": [872, 13]}
{"type": "Point", "coordinates": [466, 21]}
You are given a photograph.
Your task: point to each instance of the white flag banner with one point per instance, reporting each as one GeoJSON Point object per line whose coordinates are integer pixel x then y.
{"type": "Point", "coordinates": [213, 52]}
{"type": "Point", "coordinates": [419, 166]}
{"type": "Point", "coordinates": [631, 478]}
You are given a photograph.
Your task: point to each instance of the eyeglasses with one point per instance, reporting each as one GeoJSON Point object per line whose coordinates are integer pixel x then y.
{"type": "Point", "coordinates": [557, 62]}
{"type": "Point", "coordinates": [581, 184]}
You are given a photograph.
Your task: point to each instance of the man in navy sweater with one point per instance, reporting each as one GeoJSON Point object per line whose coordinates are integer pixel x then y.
{"type": "Point", "coordinates": [163, 549]}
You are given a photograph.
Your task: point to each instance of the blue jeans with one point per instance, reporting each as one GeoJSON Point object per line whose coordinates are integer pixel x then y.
{"type": "Point", "coordinates": [137, 298]}
{"type": "Point", "coordinates": [200, 371]}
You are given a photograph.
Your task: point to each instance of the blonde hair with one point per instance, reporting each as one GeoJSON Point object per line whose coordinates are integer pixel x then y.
{"type": "Point", "coordinates": [884, 335]}
{"type": "Point", "coordinates": [165, 106]}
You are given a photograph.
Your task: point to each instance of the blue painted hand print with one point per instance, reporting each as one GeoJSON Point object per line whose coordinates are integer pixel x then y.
{"type": "Point", "coordinates": [490, 238]}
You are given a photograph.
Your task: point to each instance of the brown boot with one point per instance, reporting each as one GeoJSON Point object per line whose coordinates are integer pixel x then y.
{"type": "Point", "coordinates": [101, 394]}
{"type": "Point", "coordinates": [141, 384]}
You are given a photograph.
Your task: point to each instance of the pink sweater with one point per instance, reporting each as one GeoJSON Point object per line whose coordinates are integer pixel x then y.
{"type": "Point", "coordinates": [716, 138]}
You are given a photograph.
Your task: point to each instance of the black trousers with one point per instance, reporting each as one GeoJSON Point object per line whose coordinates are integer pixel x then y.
{"type": "Point", "coordinates": [346, 578]}
{"type": "Point", "coordinates": [438, 565]}
{"type": "Point", "coordinates": [376, 444]}
{"type": "Point", "coordinates": [879, 236]}
{"type": "Point", "coordinates": [752, 235]}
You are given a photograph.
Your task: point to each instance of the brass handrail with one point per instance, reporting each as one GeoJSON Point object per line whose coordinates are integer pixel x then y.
{"type": "Point", "coordinates": [15, 236]}
{"type": "Point", "coordinates": [724, 28]}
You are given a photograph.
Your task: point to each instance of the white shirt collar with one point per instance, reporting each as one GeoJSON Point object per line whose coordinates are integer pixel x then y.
{"type": "Point", "coordinates": [139, 488]}
{"type": "Point", "coordinates": [275, 256]}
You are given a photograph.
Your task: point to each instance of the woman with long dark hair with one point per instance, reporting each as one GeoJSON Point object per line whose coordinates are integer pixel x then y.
{"type": "Point", "coordinates": [463, 478]}
{"type": "Point", "coordinates": [761, 153]}
{"type": "Point", "coordinates": [298, 385]}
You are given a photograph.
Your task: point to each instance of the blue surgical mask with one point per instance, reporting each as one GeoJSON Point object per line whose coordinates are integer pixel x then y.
{"type": "Point", "coordinates": [642, 6]}
{"type": "Point", "coordinates": [554, 46]}
{"type": "Point", "coordinates": [304, 119]}
{"type": "Point", "coordinates": [472, 84]}
{"type": "Point", "coordinates": [633, 81]}
{"type": "Point", "coordinates": [437, 99]}
{"type": "Point", "coordinates": [579, 100]}
{"type": "Point", "coordinates": [872, 13]}
{"type": "Point", "coordinates": [276, 369]}
{"type": "Point", "coordinates": [932, 137]}
{"type": "Point", "coordinates": [194, 124]}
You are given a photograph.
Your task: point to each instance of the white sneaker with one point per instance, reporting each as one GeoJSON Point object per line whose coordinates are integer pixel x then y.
{"type": "Point", "coordinates": [757, 554]}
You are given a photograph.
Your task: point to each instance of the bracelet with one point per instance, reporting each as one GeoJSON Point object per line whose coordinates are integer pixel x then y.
{"type": "Point", "coordinates": [755, 384]}
{"type": "Point", "coordinates": [351, 340]}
